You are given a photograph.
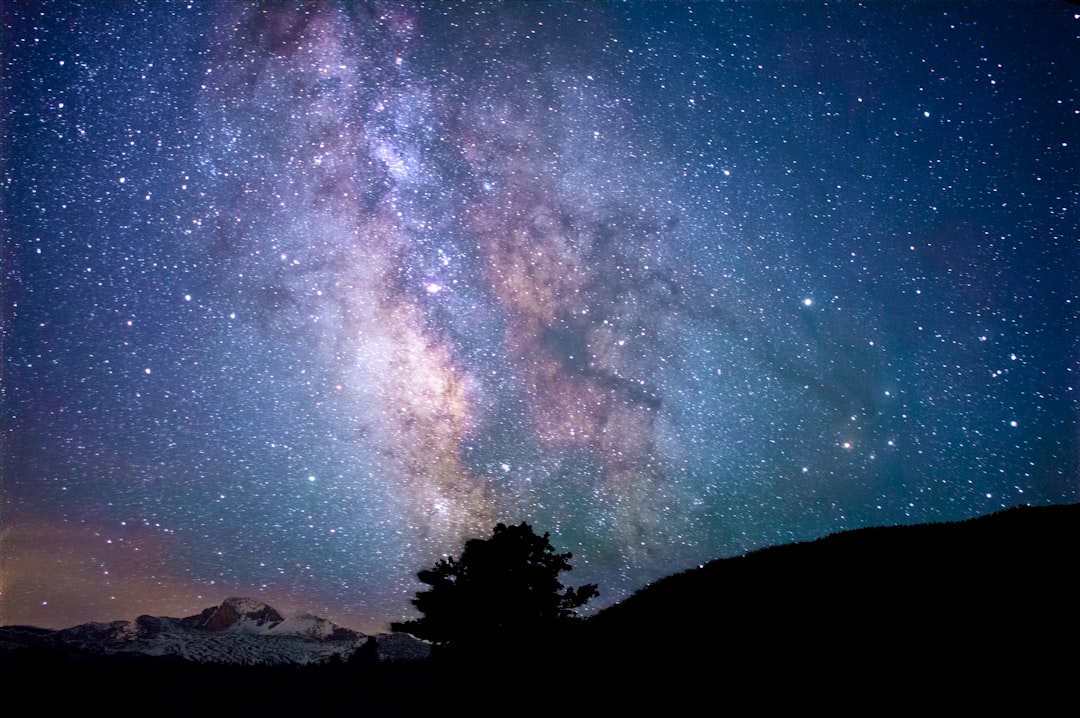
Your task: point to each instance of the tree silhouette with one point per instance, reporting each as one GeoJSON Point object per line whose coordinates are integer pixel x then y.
{"type": "Point", "coordinates": [506, 586]}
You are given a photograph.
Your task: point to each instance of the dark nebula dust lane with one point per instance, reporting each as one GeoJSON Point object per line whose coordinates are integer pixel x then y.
{"type": "Point", "coordinates": [297, 298]}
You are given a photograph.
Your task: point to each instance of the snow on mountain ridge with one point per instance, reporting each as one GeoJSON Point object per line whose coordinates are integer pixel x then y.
{"type": "Point", "coordinates": [240, 630]}
{"type": "Point", "coordinates": [244, 615]}
{"type": "Point", "coordinates": [306, 624]}
{"type": "Point", "coordinates": [246, 606]}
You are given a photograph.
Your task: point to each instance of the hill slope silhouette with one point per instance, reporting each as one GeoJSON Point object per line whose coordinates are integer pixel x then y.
{"type": "Point", "coordinates": [909, 607]}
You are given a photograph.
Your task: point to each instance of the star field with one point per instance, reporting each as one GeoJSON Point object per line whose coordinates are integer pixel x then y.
{"type": "Point", "coordinates": [297, 298]}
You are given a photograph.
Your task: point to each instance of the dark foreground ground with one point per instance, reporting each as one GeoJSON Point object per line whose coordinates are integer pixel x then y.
{"type": "Point", "coordinates": [976, 614]}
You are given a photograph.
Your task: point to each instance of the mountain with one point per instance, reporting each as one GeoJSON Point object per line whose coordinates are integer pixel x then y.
{"type": "Point", "coordinates": [1015, 563]}
{"type": "Point", "coordinates": [903, 607]}
{"type": "Point", "coordinates": [240, 631]}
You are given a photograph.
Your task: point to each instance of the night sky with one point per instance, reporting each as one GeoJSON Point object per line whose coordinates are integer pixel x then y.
{"type": "Point", "coordinates": [297, 298]}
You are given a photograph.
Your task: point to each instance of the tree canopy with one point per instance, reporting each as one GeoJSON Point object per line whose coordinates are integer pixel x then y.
{"type": "Point", "coordinates": [506, 585]}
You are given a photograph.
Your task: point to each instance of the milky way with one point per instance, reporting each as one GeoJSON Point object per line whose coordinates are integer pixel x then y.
{"type": "Point", "coordinates": [298, 297]}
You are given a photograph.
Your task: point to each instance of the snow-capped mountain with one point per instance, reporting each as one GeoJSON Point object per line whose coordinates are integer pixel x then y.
{"type": "Point", "coordinates": [241, 631]}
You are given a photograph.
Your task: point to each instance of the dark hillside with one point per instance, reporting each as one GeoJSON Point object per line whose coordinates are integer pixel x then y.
{"type": "Point", "coordinates": [995, 594]}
